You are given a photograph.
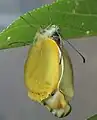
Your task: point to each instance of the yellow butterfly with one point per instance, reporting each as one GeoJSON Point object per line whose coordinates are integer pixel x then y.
{"type": "Point", "coordinates": [48, 72]}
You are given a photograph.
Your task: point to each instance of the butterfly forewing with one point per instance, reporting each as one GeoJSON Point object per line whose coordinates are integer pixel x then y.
{"type": "Point", "coordinates": [42, 69]}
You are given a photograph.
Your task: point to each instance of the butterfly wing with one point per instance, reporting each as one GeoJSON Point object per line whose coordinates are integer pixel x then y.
{"type": "Point", "coordinates": [66, 84]}
{"type": "Point", "coordinates": [42, 69]}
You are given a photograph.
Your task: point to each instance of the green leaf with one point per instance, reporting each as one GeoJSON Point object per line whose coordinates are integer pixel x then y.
{"type": "Point", "coordinates": [93, 117]}
{"type": "Point", "coordinates": [76, 18]}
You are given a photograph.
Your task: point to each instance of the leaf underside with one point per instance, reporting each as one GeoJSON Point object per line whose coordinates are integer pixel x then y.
{"type": "Point", "coordinates": [76, 18]}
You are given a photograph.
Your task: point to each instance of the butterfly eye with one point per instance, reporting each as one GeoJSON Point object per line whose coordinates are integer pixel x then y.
{"type": "Point", "coordinates": [56, 37]}
{"type": "Point", "coordinates": [57, 40]}
{"type": "Point", "coordinates": [55, 34]}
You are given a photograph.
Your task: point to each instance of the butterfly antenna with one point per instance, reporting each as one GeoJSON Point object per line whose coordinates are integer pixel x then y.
{"type": "Point", "coordinates": [76, 51]}
{"type": "Point", "coordinates": [27, 22]}
{"type": "Point", "coordinates": [22, 42]}
{"type": "Point", "coordinates": [35, 19]}
{"type": "Point", "coordinates": [29, 25]}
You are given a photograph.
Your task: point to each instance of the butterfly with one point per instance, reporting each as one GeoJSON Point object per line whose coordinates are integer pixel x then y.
{"type": "Point", "coordinates": [48, 72]}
